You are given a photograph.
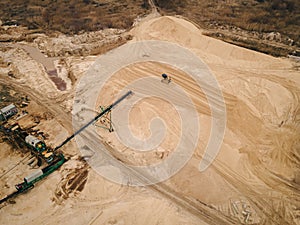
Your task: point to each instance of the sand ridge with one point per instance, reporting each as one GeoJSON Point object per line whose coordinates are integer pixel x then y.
{"type": "Point", "coordinates": [256, 167]}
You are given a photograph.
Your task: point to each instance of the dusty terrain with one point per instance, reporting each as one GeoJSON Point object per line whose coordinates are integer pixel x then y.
{"type": "Point", "coordinates": [254, 179]}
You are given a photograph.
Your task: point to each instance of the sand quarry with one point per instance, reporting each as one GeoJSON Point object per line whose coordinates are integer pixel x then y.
{"type": "Point", "coordinates": [255, 178]}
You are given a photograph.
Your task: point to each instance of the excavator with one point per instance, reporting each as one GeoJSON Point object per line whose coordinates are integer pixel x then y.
{"type": "Point", "coordinates": [166, 78]}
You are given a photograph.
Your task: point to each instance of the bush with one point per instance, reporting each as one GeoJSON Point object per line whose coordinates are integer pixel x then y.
{"type": "Point", "coordinates": [70, 16]}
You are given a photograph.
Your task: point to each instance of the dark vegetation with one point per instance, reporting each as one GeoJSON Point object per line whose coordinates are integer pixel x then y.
{"type": "Point", "coordinates": [261, 16]}
{"type": "Point", "coordinates": [72, 16]}
{"type": "Point", "coordinates": [242, 22]}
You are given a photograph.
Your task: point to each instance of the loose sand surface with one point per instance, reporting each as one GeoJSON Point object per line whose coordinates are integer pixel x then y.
{"type": "Point", "coordinates": [253, 180]}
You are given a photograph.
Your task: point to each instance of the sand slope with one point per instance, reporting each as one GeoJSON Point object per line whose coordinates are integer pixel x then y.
{"type": "Point", "coordinates": [255, 169]}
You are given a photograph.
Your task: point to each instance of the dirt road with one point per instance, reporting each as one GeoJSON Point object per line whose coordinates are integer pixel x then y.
{"type": "Point", "coordinates": [253, 178]}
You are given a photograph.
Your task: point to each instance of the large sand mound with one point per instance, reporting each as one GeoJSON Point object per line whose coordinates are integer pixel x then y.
{"type": "Point", "coordinates": [256, 169]}
{"type": "Point", "coordinates": [188, 35]}
{"type": "Point", "coordinates": [262, 98]}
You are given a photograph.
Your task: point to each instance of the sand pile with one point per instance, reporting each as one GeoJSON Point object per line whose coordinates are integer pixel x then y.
{"type": "Point", "coordinates": [251, 181]}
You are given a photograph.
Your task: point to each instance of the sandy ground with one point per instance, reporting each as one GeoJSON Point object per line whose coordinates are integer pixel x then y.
{"type": "Point", "coordinates": [256, 170]}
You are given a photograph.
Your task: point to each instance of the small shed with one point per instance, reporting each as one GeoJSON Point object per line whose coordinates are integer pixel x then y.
{"type": "Point", "coordinates": [8, 111]}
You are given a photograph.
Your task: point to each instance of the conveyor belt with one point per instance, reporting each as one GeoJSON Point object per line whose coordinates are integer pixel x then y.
{"type": "Point", "coordinates": [109, 108]}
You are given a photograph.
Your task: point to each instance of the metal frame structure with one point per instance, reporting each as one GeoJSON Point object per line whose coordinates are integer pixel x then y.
{"type": "Point", "coordinates": [107, 118]}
